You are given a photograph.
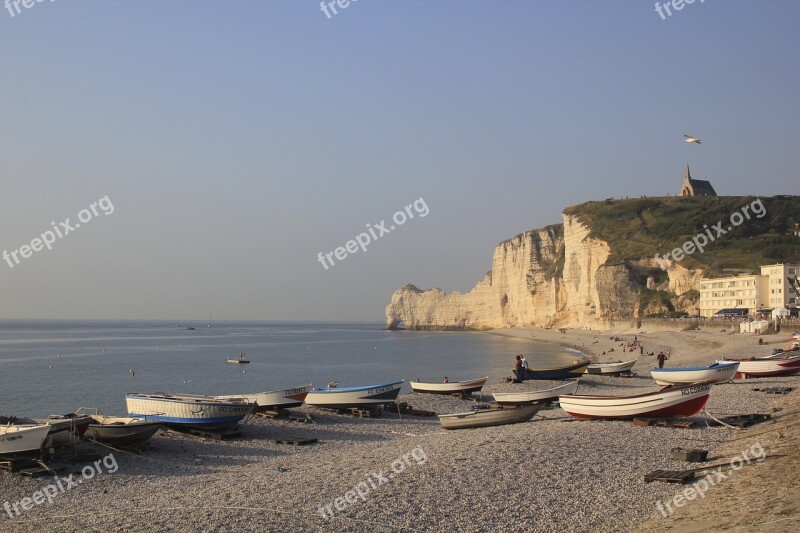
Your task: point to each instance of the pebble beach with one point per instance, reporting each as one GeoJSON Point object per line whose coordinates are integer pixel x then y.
{"type": "Point", "coordinates": [401, 472]}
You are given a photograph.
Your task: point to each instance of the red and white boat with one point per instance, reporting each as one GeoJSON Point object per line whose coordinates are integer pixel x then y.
{"type": "Point", "coordinates": [451, 387]}
{"type": "Point", "coordinates": [669, 402]}
{"type": "Point", "coordinates": [276, 399]}
{"type": "Point", "coordinates": [758, 367]}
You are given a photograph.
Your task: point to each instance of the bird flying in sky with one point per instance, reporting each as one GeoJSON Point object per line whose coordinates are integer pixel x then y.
{"type": "Point", "coordinates": [690, 139]}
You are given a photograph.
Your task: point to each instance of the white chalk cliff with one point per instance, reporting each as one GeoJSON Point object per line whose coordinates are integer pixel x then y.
{"type": "Point", "coordinates": [555, 276]}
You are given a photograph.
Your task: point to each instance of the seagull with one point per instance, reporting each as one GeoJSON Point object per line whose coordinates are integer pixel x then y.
{"type": "Point", "coordinates": [690, 139]}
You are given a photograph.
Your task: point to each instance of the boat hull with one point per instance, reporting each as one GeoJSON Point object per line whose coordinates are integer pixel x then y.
{"type": "Point", "coordinates": [186, 410]}
{"type": "Point", "coordinates": [122, 431]}
{"type": "Point", "coordinates": [565, 372]}
{"type": "Point", "coordinates": [284, 399]}
{"type": "Point", "coordinates": [22, 439]}
{"type": "Point", "coordinates": [610, 368]}
{"type": "Point", "coordinates": [759, 368]}
{"type": "Point", "coordinates": [489, 417]}
{"type": "Point", "coordinates": [520, 398]}
{"type": "Point", "coordinates": [463, 387]}
{"type": "Point", "coordinates": [353, 397]}
{"type": "Point", "coordinates": [670, 402]}
{"type": "Point", "coordinates": [716, 373]}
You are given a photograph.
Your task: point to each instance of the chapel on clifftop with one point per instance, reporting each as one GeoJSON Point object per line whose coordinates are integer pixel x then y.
{"type": "Point", "coordinates": [693, 187]}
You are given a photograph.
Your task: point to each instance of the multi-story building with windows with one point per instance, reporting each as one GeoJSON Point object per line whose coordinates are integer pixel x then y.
{"type": "Point", "coordinates": [783, 284]}
{"type": "Point", "coordinates": [777, 286]}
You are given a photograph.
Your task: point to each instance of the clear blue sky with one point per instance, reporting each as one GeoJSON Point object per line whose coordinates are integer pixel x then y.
{"type": "Point", "coordinates": [238, 139]}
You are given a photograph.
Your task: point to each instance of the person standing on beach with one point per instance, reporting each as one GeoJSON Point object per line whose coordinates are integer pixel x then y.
{"type": "Point", "coordinates": [524, 362]}
{"type": "Point", "coordinates": [661, 358]}
{"type": "Point", "coordinates": [518, 370]}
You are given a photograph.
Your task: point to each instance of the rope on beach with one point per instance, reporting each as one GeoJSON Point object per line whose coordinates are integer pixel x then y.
{"type": "Point", "coordinates": [709, 415]}
{"type": "Point", "coordinates": [209, 508]}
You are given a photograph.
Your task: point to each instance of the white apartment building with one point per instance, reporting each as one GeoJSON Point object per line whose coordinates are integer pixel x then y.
{"type": "Point", "coordinates": [782, 285]}
{"type": "Point", "coordinates": [776, 286]}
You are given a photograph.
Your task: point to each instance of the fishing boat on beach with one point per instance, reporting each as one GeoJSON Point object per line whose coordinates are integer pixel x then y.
{"type": "Point", "coordinates": [117, 430]}
{"type": "Point", "coordinates": [669, 402]}
{"type": "Point", "coordinates": [758, 367]}
{"type": "Point", "coordinates": [283, 398]}
{"type": "Point", "coordinates": [716, 373]}
{"type": "Point", "coordinates": [521, 398]}
{"type": "Point", "coordinates": [561, 372]}
{"type": "Point", "coordinates": [187, 410]}
{"type": "Point", "coordinates": [489, 417]}
{"type": "Point", "coordinates": [452, 387]}
{"type": "Point", "coordinates": [64, 430]}
{"type": "Point", "coordinates": [22, 439]}
{"type": "Point", "coordinates": [351, 397]}
{"type": "Point", "coordinates": [610, 367]}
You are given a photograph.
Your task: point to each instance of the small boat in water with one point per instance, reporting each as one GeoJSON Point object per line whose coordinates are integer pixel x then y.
{"type": "Point", "coordinates": [284, 398]}
{"type": "Point", "coordinates": [521, 398]}
{"type": "Point", "coordinates": [755, 367]}
{"type": "Point", "coordinates": [455, 387]}
{"type": "Point", "coordinates": [489, 417]}
{"type": "Point", "coordinates": [22, 439]}
{"type": "Point", "coordinates": [240, 361]}
{"type": "Point", "coordinates": [716, 373]}
{"type": "Point", "coordinates": [561, 372]}
{"type": "Point", "coordinates": [349, 397]}
{"type": "Point", "coordinates": [616, 367]}
{"type": "Point", "coordinates": [672, 401]}
{"type": "Point", "coordinates": [116, 430]}
{"type": "Point", "coordinates": [187, 409]}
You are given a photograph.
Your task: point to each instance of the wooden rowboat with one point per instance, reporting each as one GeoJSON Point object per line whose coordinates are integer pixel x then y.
{"type": "Point", "coordinates": [350, 397]}
{"type": "Point", "coordinates": [463, 387]}
{"type": "Point", "coordinates": [117, 430]}
{"type": "Point", "coordinates": [489, 417]}
{"type": "Point", "coordinates": [520, 398]}
{"type": "Point", "coordinates": [616, 367]}
{"type": "Point", "coordinates": [786, 365]}
{"type": "Point", "coordinates": [561, 372]}
{"type": "Point", "coordinates": [283, 399]}
{"type": "Point", "coordinates": [672, 401]}
{"type": "Point", "coordinates": [716, 373]}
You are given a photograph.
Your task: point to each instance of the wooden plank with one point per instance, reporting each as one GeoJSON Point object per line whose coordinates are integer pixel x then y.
{"type": "Point", "coordinates": [670, 476]}
{"type": "Point", "coordinates": [296, 441]}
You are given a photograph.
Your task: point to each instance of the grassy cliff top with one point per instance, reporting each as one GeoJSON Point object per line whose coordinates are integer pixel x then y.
{"type": "Point", "coordinates": [641, 227]}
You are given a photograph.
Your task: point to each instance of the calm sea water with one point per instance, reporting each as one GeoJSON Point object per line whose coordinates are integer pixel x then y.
{"type": "Point", "coordinates": [55, 367]}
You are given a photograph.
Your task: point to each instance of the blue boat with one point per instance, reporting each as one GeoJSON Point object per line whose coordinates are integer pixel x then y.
{"type": "Point", "coordinates": [188, 410]}
{"type": "Point", "coordinates": [350, 397]}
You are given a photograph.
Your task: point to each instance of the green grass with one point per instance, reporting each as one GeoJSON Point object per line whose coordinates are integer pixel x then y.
{"type": "Point", "coordinates": [641, 227]}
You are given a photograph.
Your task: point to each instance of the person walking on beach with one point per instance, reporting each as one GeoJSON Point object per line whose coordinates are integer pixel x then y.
{"type": "Point", "coordinates": [661, 358]}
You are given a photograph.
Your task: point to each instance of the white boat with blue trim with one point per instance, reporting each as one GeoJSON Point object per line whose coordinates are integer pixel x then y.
{"type": "Point", "coordinates": [188, 409]}
{"type": "Point", "coordinates": [351, 397]}
{"type": "Point", "coordinates": [716, 373]}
